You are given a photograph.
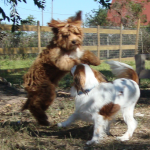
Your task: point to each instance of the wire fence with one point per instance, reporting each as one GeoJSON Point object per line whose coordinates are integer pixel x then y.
{"type": "Point", "coordinates": [18, 50]}
{"type": "Point", "coordinates": [110, 43]}
{"type": "Point", "coordinates": [90, 39]}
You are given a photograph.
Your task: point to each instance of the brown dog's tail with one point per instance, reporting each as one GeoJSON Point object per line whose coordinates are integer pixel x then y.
{"type": "Point", "coordinates": [122, 70]}
{"type": "Point", "coordinates": [25, 106]}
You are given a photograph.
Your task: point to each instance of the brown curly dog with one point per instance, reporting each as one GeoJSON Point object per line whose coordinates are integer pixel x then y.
{"type": "Point", "coordinates": [63, 52]}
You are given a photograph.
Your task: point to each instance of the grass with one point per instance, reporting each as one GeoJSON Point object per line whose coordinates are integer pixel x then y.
{"type": "Point", "coordinates": [16, 78]}
{"type": "Point", "coordinates": [19, 130]}
{"type": "Point", "coordinates": [16, 63]}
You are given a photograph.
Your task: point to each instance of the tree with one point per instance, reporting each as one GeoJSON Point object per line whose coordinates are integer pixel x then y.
{"type": "Point", "coordinates": [127, 12]}
{"type": "Point", "coordinates": [14, 15]}
{"type": "Point", "coordinates": [30, 20]}
{"type": "Point", "coordinates": [98, 17]}
{"type": "Point", "coordinates": [104, 3]}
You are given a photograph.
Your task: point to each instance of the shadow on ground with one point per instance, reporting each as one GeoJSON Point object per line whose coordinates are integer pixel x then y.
{"type": "Point", "coordinates": [75, 133]}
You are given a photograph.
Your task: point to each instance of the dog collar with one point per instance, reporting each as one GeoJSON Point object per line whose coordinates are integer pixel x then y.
{"type": "Point", "coordinates": [86, 91]}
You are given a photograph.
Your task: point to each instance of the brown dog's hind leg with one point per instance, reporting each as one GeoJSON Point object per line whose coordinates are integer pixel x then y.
{"type": "Point", "coordinates": [39, 101]}
{"type": "Point", "coordinates": [40, 115]}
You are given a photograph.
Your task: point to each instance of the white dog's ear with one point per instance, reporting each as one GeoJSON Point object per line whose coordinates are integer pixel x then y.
{"type": "Point", "coordinates": [79, 78]}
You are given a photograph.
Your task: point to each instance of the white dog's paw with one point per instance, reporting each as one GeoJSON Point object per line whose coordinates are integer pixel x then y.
{"type": "Point", "coordinates": [92, 142]}
{"type": "Point", "coordinates": [108, 134]}
{"type": "Point", "coordinates": [59, 125]}
{"type": "Point", "coordinates": [123, 138]}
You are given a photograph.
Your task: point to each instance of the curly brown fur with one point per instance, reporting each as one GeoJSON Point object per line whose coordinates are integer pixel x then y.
{"type": "Point", "coordinates": [63, 52]}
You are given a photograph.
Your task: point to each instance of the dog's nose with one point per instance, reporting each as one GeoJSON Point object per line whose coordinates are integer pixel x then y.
{"type": "Point", "coordinates": [74, 42]}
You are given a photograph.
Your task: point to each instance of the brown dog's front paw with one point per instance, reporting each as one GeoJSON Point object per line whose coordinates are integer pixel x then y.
{"type": "Point", "coordinates": [44, 122]}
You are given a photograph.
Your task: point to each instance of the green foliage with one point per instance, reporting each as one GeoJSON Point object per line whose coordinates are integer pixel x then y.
{"type": "Point", "coordinates": [14, 15]}
{"type": "Point", "coordinates": [136, 9]}
{"type": "Point", "coordinates": [66, 82]}
{"type": "Point", "coordinates": [98, 17]}
{"type": "Point", "coordinates": [16, 62]}
{"type": "Point", "coordinates": [23, 39]}
{"type": "Point", "coordinates": [30, 20]}
{"type": "Point", "coordinates": [4, 15]}
{"type": "Point", "coordinates": [145, 40]}
{"type": "Point", "coordinates": [104, 3]}
{"type": "Point", "coordinates": [16, 18]}
{"type": "Point", "coordinates": [128, 12]}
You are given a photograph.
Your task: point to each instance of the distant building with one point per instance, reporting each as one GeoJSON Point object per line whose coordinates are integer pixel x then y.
{"type": "Point", "coordinates": [114, 17]}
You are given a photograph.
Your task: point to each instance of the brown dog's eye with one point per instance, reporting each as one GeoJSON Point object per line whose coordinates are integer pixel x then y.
{"type": "Point", "coordinates": [66, 35]}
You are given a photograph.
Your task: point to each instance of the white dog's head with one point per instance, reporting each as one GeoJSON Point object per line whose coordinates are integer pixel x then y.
{"type": "Point", "coordinates": [85, 78]}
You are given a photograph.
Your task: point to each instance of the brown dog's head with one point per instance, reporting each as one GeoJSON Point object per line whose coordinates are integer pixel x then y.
{"type": "Point", "coordinates": [67, 35]}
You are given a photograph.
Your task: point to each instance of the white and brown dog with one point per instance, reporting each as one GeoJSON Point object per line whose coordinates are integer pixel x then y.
{"type": "Point", "coordinates": [98, 102]}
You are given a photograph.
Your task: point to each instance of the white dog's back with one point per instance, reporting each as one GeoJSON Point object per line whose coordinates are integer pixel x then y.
{"type": "Point", "coordinates": [123, 92]}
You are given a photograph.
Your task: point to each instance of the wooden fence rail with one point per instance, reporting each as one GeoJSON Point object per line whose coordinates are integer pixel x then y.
{"type": "Point", "coordinates": [97, 47]}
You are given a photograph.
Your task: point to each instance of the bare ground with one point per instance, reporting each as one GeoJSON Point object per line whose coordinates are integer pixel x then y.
{"type": "Point", "coordinates": [19, 130]}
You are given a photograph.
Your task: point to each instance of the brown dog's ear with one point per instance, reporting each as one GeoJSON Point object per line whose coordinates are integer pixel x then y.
{"type": "Point", "coordinates": [78, 16]}
{"type": "Point", "coordinates": [77, 20]}
{"type": "Point", "coordinates": [56, 24]}
{"type": "Point", "coordinates": [53, 23]}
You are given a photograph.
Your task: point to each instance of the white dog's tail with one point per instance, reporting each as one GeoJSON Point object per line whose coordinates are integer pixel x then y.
{"type": "Point", "coordinates": [122, 70]}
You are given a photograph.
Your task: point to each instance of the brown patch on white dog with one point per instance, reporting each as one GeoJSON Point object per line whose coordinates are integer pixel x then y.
{"type": "Point", "coordinates": [99, 76]}
{"type": "Point", "coordinates": [129, 74]}
{"type": "Point", "coordinates": [109, 110]}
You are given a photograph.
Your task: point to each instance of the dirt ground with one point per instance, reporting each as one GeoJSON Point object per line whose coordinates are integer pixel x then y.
{"type": "Point", "coordinates": [10, 95]}
{"type": "Point", "coordinates": [20, 130]}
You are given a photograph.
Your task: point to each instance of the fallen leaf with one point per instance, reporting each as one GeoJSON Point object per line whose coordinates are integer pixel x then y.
{"type": "Point", "coordinates": [59, 113]}
{"type": "Point", "coordinates": [8, 105]}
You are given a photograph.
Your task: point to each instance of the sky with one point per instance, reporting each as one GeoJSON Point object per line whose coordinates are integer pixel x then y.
{"type": "Point", "coordinates": [62, 9]}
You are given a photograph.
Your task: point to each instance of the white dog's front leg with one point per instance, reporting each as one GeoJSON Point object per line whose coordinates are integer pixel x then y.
{"type": "Point", "coordinates": [70, 120]}
{"type": "Point", "coordinates": [99, 131]}
{"type": "Point", "coordinates": [107, 127]}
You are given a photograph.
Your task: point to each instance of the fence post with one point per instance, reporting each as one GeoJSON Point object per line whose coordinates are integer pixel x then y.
{"type": "Point", "coordinates": [98, 41]}
{"type": "Point", "coordinates": [120, 51]}
{"type": "Point", "coordinates": [39, 36]}
{"type": "Point", "coordinates": [137, 37]}
{"type": "Point", "coordinates": [107, 45]}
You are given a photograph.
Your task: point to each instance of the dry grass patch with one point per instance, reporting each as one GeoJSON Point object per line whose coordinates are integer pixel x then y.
{"type": "Point", "coordinates": [20, 130]}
